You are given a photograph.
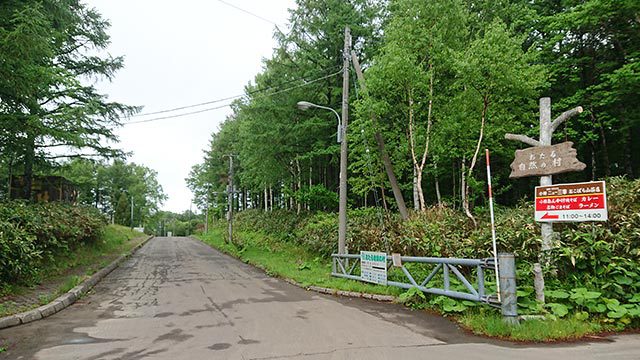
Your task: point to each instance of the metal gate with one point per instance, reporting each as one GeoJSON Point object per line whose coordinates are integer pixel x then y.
{"type": "Point", "coordinates": [346, 266]}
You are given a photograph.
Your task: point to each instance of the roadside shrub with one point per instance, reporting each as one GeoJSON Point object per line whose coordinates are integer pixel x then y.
{"type": "Point", "coordinates": [596, 267]}
{"type": "Point", "coordinates": [33, 233]}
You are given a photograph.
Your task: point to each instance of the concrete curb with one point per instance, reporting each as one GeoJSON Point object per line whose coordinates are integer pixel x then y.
{"type": "Point", "coordinates": [318, 289]}
{"type": "Point", "coordinates": [336, 292]}
{"type": "Point", "coordinates": [67, 298]}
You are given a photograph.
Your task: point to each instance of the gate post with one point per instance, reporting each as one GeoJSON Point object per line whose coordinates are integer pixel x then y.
{"type": "Point", "coordinates": [509, 303]}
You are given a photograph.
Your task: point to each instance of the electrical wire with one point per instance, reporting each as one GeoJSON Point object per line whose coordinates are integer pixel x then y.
{"type": "Point", "coordinates": [223, 99]}
{"type": "Point", "coordinates": [225, 105]}
{"type": "Point", "coordinates": [177, 115]}
{"type": "Point", "coordinates": [248, 12]}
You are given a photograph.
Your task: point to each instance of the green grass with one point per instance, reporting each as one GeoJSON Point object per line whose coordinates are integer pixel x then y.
{"type": "Point", "coordinates": [8, 308]}
{"type": "Point", "coordinates": [289, 261]}
{"type": "Point", "coordinates": [70, 269]}
{"type": "Point", "coordinates": [538, 330]}
{"type": "Point", "coordinates": [115, 241]}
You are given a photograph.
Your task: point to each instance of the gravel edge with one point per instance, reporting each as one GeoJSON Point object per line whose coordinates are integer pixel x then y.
{"type": "Point", "coordinates": [67, 298]}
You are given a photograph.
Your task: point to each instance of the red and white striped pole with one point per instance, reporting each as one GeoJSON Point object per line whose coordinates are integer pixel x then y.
{"type": "Point", "coordinates": [493, 225]}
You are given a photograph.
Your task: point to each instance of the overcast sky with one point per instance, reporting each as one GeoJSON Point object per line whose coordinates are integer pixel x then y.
{"type": "Point", "coordinates": [183, 53]}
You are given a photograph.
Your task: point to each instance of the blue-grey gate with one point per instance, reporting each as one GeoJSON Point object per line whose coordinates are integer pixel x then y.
{"type": "Point", "coordinates": [346, 266]}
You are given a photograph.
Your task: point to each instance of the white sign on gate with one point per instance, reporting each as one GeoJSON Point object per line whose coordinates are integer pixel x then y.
{"type": "Point", "coordinates": [373, 267]}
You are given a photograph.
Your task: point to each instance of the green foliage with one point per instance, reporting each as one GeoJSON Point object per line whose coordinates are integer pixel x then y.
{"type": "Point", "coordinates": [111, 187]}
{"type": "Point", "coordinates": [597, 271]}
{"type": "Point", "coordinates": [65, 270]}
{"type": "Point", "coordinates": [285, 259]}
{"type": "Point", "coordinates": [413, 298]}
{"type": "Point", "coordinates": [70, 283]}
{"type": "Point", "coordinates": [543, 330]}
{"type": "Point", "coordinates": [33, 234]}
{"type": "Point", "coordinates": [50, 53]}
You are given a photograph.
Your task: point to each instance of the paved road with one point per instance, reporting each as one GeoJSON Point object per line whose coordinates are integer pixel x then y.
{"type": "Point", "coordinates": [179, 299]}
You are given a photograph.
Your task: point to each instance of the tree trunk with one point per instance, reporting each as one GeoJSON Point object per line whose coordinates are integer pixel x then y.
{"type": "Point", "coordinates": [605, 152]}
{"type": "Point", "coordinates": [485, 105]}
{"type": "Point", "coordinates": [270, 198]}
{"type": "Point", "coordinates": [464, 192]}
{"type": "Point", "coordinates": [244, 199]}
{"type": "Point", "coordinates": [417, 167]}
{"type": "Point", "coordinates": [384, 199]}
{"type": "Point", "coordinates": [593, 160]}
{"type": "Point", "coordinates": [454, 177]}
{"type": "Point", "coordinates": [628, 157]}
{"type": "Point", "coordinates": [299, 187]}
{"type": "Point", "coordinates": [425, 153]}
{"type": "Point", "coordinates": [266, 199]}
{"type": "Point", "coordinates": [417, 204]}
{"type": "Point", "coordinates": [310, 185]}
{"type": "Point", "coordinates": [416, 200]}
{"type": "Point", "coordinates": [10, 177]}
{"type": "Point", "coordinates": [423, 204]}
{"type": "Point", "coordinates": [438, 196]}
{"type": "Point", "coordinates": [29, 159]}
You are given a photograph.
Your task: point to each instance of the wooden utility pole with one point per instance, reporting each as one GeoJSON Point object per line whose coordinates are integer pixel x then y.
{"type": "Point", "coordinates": [547, 127]}
{"type": "Point", "coordinates": [342, 213]}
{"type": "Point", "coordinates": [230, 198]}
{"type": "Point", "coordinates": [386, 160]}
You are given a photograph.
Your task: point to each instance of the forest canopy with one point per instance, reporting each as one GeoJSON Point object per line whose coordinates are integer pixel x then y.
{"type": "Point", "coordinates": [444, 79]}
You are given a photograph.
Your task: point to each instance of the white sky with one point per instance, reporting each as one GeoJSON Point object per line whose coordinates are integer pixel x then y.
{"type": "Point", "coordinates": [179, 53]}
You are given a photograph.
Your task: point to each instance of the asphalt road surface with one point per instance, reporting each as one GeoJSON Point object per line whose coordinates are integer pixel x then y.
{"type": "Point", "coordinates": [177, 298]}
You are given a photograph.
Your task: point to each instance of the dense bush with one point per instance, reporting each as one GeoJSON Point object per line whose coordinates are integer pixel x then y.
{"type": "Point", "coordinates": [596, 267]}
{"type": "Point", "coordinates": [33, 233]}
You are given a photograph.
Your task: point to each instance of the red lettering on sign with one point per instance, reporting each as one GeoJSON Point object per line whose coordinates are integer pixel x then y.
{"type": "Point", "coordinates": [593, 201]}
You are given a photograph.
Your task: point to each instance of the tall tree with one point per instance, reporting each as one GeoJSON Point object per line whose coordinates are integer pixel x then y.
{"type": "Point", "coordinates": [54, 111]}
{"type": "Point", "coordinates": [496, 77]}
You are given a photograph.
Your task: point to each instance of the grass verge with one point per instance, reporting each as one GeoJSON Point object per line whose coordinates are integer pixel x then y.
{"type": "Point", "coordinates": [536, 330]}
{"type": "Point", "coordinates": [289, 261]}
{"type": "Point", "coordinates": [64, 272]}
{"type": "Point", "coordinates": [294, 262]}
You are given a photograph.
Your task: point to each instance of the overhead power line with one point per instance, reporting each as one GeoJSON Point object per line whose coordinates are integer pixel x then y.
{"type": "Point", "coordinates": [248, 12]}
{"type": "Point", "coordinates": [223, 99]}
{"type": "Point", "coordinates": [225, 105]}
{"type": "Point", "coordinates": [177, 115]}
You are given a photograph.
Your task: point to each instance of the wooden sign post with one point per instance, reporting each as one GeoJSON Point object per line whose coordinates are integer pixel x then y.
{"type": "Point", "coordinates": [543, 146]}
{"type": "Point", "coordinates": [546, 160]}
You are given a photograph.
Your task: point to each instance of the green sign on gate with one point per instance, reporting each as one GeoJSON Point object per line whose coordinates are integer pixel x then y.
{"type": "Point", "coordinates": [373, 267]}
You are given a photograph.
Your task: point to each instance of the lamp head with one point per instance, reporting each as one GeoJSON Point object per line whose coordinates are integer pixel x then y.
{"type": "Point", "coordinates": [304, 105]}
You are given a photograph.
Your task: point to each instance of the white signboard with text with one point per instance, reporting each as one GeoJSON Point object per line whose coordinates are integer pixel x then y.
{"type": "Point", "coordinates": [571, 202]}
{"type": "Point", "coordinates": [373, 267]}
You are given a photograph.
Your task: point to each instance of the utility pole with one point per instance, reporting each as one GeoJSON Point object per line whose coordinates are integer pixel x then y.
{"type": "Point", "coordinates": [131, 210]}
{"type": "Point", "coordinates": [206, 216]}
{"type": "Point", "coordinates": [230, 198]}
{"type": "Point", "coordinates": [208, 199]}
{"type": "Point", "coordinates": [342, 213]}
{"type": "Point", "coordinates": [189, 223]}
{"type": "Point", "coordinates": [384, 156]}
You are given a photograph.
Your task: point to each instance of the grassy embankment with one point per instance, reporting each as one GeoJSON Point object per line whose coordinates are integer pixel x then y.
{"type": "Point", "coordinates": [287, 260]}
{"type": "Point", "coordinates": [66, 270]}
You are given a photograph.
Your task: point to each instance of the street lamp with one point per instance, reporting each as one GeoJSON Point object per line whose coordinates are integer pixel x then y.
{"type": "Point", "coordinates": [305, 105]}
{"type": "Point", "coordinates": [342, 139]}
